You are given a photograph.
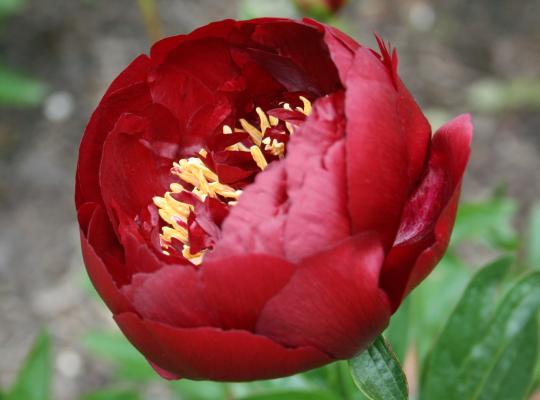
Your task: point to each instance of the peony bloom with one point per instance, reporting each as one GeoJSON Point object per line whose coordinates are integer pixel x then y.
{"type": "Point", "coordinates": [256, 198]}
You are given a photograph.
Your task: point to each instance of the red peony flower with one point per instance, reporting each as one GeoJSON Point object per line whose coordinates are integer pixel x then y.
{"type": "Point", "coordinates": [256, 198]}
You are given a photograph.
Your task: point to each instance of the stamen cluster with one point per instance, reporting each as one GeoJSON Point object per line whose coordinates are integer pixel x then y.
{"type": "Point", "coordinates": [200, 182]}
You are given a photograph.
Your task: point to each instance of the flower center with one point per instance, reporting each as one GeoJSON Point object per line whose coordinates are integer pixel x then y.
{"type": "Point", "coordinates": [201, 198]}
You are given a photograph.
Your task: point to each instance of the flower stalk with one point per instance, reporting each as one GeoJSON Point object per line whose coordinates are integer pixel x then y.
{"type": "Point", "coordinates": [150, 14]}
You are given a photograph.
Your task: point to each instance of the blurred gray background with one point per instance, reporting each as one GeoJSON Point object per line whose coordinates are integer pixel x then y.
{"type": "Point", "coordinates": [456, 56]}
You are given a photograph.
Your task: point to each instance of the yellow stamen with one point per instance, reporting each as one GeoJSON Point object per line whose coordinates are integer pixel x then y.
{"type": "Point", "coordinates": [255, 134]}
{"type": "Point", "coordinates": [195, 259]}
{"type": "Point", "coordinates": [275, 147]}
{"type": "Point", "coordinates": [237, 147]}
{"type": "Point", "coordinates": [307, 106]}
{"type": "Point", "coordinates": [273, 120]}
{"type": "Point", "coordinates": [258, 156]}
{"type": "Point", "coordinates": [205, 182]}
{"type": "Point", "coordinates": [203, 153]}
{"type": "Point", "coordinates": [265, 124]}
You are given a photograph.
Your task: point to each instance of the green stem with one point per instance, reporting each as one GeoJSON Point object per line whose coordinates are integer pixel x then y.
{"type": "Point", "coordinates": [342, 375]}
{"type": "Point", "coordinates": [229, 395]}
{"type": "Point", "coordinates": [149, 11]}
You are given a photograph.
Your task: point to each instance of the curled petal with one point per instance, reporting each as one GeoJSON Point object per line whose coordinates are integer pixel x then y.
{"type": "Point", "coordinates": [429, 215]}
{"type": "Point", "coordinates": [317, 207]}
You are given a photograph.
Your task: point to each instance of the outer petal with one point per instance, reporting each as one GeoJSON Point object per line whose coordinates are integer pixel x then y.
{"type": "Point", "coordinates": [333, 302]}
{"type": "Point", "coordinates": [429, 214]}
{"type": "Point", "coordinates": [376, 150]}
{"type": "Point", "coordinates": [174, 295]}
{"type": "Point", "coordinates": [95, 265]}
{"type": "Point", "coordinates": [128, 93]}
{"type": "Point", "coordinates": [209, 353]}
{"type": "Point", "coordinates": [238, 287]}
{"type": "Point", "coordinates": [415, 126]}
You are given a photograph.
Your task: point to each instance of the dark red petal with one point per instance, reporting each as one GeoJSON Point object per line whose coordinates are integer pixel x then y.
{"type": "Point", "coordinates": [139, 256]}
{"type": "Point", "coordinates": [95, 263]}
{"type": "Point", "coordinates": [316, 185]}
{"type": "Point", "coordinates": [214, 354]}
{"type": "Point", "coordinates": [238, 287]}
{"type": "Point", "coordinates": [173, 295]}
{"type": "Point", "coordinates": [376, 150]}
{"type": "Point", "coordinates": [417, 131]}
{"type": "Point", "coordinates": [333, 302]}
{"type": "Point", "coordinates": [342, 47]}
{"type": "Point", "coordinates": [163, 48]}
{"type": "Point", "coordinates": [132, 170]}
{"type": "Point", "coordinates": [191, 77]}
{"type": "Point", "coordinates": [429, 214]}
{"type": "Point", "coordinates": [256, 223]}
{"type": "Point", "coordinates": [132, 98]}
{"type": "Point", "coordinates": [414, 124]}
{"type": "Point", "coordinates": [136, 72]}
{"type": "Point", "coordinates": [304, 46]}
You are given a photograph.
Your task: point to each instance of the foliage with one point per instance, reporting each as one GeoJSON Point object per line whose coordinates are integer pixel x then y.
{"type": "Point", "coordinates": [377, 373]}
{"type": "Point", "coordinates": [33, 380]}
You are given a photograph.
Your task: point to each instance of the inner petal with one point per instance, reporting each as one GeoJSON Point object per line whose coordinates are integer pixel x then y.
{"type": "Point", "coordinates": [199, 199]}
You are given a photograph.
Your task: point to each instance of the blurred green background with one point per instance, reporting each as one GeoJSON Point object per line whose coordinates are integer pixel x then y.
{"type": "Point", "coordinates": [58, 57]}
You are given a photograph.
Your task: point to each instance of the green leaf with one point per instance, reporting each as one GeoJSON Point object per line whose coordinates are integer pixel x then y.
{"type": "Point", "coordinates": [112, 394]}
{"type": "Point", "coordinates": [34, 378]}
{"type": "Point", "coordinates": [533, 238]}
{"type": "Point", "coordinates": [19, 90]}
{"type": "Point", "coordinates": [397, 332]}
{"type": "Point", "coordinates": [511, 376]}
{"type": "Point", "coordinates": [117, 349]}
{"type": "Point", "coordinates": [489, 222]}
{"type": "Point", "coordinates": [445, 284]}
{"type": "Point", "coordinates": [291, 394]}
{"type": "Point", "coordinates": [479, 338]}
{"type": "Point", "coordinates": [377, 373]}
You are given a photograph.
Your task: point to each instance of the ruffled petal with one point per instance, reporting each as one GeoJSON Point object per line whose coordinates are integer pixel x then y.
{"type": "Point", "coordinates": [333, 302]}
{"type": "Point", "coordinates": [429, 215]}
{"type": "Point", "coordinates": [214, 354]}
{"type": "Point", "coordinates": [317, 214]}
{"type": "Point", "coordinates": [256, 223]}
